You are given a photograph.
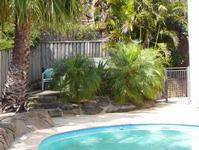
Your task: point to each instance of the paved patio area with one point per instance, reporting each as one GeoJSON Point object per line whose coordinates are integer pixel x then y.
{"type": "Point", "coordinates": [163, 113]}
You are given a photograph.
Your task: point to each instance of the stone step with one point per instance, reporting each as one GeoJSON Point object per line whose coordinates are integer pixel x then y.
{"type": "Point", "coordinates": [56, 112]}
{"type": "Point", "coordinates": [47, 93]}
{"type": "Point", "coordinates": [43, 105]}
{"type": "Point", "coordinates": [43, 99]}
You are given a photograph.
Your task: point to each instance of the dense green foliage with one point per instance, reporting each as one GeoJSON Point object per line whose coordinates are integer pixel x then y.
{"type": "Point", "coordinates": [7, 36]}
{"type": "Point", "coordinates": [78, 31]}
{"type": "Point", "coordinates": [138, 73]}
{"type": "Point", "coordinates": [106, 74]}
{"type": "Point", "coordinates": [77, 78]}
{"type": "Point", "coordinates": [131, 74]}
{"type": "Point", "coordinates": [148, 22]}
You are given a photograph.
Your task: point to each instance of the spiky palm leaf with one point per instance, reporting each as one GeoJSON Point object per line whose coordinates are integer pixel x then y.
{"type": "Point", "coordinates": [138, 73]}
{"type": "Point", "coordinates": [77, 78]}
{"type": "Point", "coordinates": [144, 20]}
{"type": "Point", "coordinates": [172, 35]}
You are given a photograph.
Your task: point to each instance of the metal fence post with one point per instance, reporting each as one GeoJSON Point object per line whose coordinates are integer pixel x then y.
{"type": "Point", "coordinates": [188, 85]}
{"type": "Point", "coordinates": [166, 86]}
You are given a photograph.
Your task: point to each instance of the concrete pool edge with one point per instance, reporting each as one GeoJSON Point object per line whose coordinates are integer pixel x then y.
{"type": "Point", "coordinates": [121, 125]}
{"type": "Point", "coordinates": [164, 113]}
{"type": "Point", "coordinates": [101, 129]}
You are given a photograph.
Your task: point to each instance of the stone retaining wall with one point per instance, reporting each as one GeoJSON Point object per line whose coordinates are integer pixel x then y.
{"type": "Point", "coordinates": [85, 107]}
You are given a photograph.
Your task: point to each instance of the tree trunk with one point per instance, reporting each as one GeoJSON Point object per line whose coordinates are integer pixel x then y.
{"type": "Point", "coordinates": [15, 91]}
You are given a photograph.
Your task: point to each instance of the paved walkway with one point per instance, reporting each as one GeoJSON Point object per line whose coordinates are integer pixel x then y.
{"type": "Point", "coordinates": [163, 113]}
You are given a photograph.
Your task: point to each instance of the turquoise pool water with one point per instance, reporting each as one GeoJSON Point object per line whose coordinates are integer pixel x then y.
{"type": "Point", "coordinates": [126, 137]}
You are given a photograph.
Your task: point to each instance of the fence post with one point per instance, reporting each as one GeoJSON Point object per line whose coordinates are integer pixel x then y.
{"type": "Point", "coordinates": [1, 84]}
{"type": "Point", "coordinates": [188, 85]}
{"type": "Point", "coordinates": [166, 86]}
{"type": "Point", "coordinates": [88, 49]}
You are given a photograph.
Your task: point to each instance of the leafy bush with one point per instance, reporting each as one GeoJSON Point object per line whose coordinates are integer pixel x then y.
{"type": "Point", "coordinates": [105, 73]}
{"type": "Point", "coordinates": [5, 44]}
{"type": "Point", "coordinates": [138, 74]}
{"type": "Point", "coordinates": [130, 74]}
{"type": "Point", "coordinates": [7, 36]}
{"type": "Point", "coordinates": [77, 78]}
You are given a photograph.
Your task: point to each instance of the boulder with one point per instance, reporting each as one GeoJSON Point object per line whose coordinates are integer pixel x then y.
{"type": "Point", "coordinates": [12, 127]}
{"type": "Point", "coordinates": [90, 108]}
{"type": "Point", "coordinates": [4, 141]}
{"type": "Point", "coordinates": [70, 108]}
{"type": "Point", "coordinates": [55, 112]}
{"type": "Point", "coordinates": [102, 101]}
{"type": "Point", "coordinates": [120, 108]}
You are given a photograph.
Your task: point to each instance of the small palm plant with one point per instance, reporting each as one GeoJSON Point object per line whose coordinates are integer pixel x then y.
{"type": "Point", "coordinates": [106, 74]}
{"type": "Point", "coordinates": [139, 74]}
{"type": "Point", "coordinates": [77, 78]}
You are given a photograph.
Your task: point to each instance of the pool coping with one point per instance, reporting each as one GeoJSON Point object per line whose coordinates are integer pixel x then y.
{"type": "Point", "coordinates": [168, 114]}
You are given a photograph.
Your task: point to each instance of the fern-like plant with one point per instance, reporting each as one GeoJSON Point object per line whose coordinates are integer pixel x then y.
{"type": "Point", "coordinates": [139, 73]}
{"type": "Point", "coordinates": [106, 74]}
{"type": "Point", "coordinates": [77, 78]}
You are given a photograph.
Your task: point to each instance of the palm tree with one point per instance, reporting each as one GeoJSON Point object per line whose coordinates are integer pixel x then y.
{"type": "Point", "coordinates": [24, 14]}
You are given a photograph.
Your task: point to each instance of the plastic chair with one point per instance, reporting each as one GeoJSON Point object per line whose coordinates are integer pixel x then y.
{"type": "Point", "coordinates": [47, 76]}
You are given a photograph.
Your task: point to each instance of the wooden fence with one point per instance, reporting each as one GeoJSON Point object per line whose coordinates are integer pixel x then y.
{"type": "Point", "coordinates": [4, 61]}
{"type": "Point", "coordinates": [53, 51]}
{"type": "Point", "coordinates": [46, 53]}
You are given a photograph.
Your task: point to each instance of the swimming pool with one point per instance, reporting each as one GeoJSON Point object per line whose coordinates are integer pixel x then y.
{"type": "Point", "coordinates": [127, 137]}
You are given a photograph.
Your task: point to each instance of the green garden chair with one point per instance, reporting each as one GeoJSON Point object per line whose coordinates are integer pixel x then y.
{"type": "Point", "coordinates": [47, 77]}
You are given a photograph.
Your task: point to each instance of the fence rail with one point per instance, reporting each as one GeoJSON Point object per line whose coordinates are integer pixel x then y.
{"type": "Point", "coordinates": [47, 52]}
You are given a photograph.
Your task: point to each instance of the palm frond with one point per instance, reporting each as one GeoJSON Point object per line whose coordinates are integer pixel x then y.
{"type": "Point", "coordinates": [138, 73]}
{"type": "Point", "coordinates": [172, 35]}
{"type": "Point", "coordinates": [48, 12]}
{"type": "Point", "coordinates": [77, 78]}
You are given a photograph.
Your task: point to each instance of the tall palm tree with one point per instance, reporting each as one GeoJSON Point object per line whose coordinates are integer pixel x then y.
{"type": "Point", "coordinates": [23, 14]}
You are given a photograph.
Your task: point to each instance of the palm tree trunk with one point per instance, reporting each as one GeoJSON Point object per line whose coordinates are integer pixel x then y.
{"type": "Point", "coordinates": [15, 91]}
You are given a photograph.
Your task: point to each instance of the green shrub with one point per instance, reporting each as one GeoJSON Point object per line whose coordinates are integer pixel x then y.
{"type": "Point", "coordinates": [138, 74]}
{"type": "Point", "coordinates": [8, 32]}
{"type": "Point", "coordinates": [77, 78]}
{"type": "Point", "coordinates": [5, 44]}
{"type": "Point", "coordinates": [105, 73]}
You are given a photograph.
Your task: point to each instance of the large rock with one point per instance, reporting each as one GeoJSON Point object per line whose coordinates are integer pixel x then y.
{"type": "Point", "coordinates": [55, 112]}
{"type": "Point", "coordinates": [12, 127]}
{"type": "Point", "coordinates": [4, 139]}
{"type": "Point", "coordinates": [103, 101]}
{"type": "Point", "coordinates": [90, 108]}
{"type": "Point", "coordinates": [120, 108]}
{"type": "Point", "coordinates": [71, 109]}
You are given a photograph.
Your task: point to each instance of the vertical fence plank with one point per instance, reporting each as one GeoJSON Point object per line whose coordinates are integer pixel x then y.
{"type": "Point", "coordinates": [4, 62]}
{"type": "Point", "coordinates": [1, 84]}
